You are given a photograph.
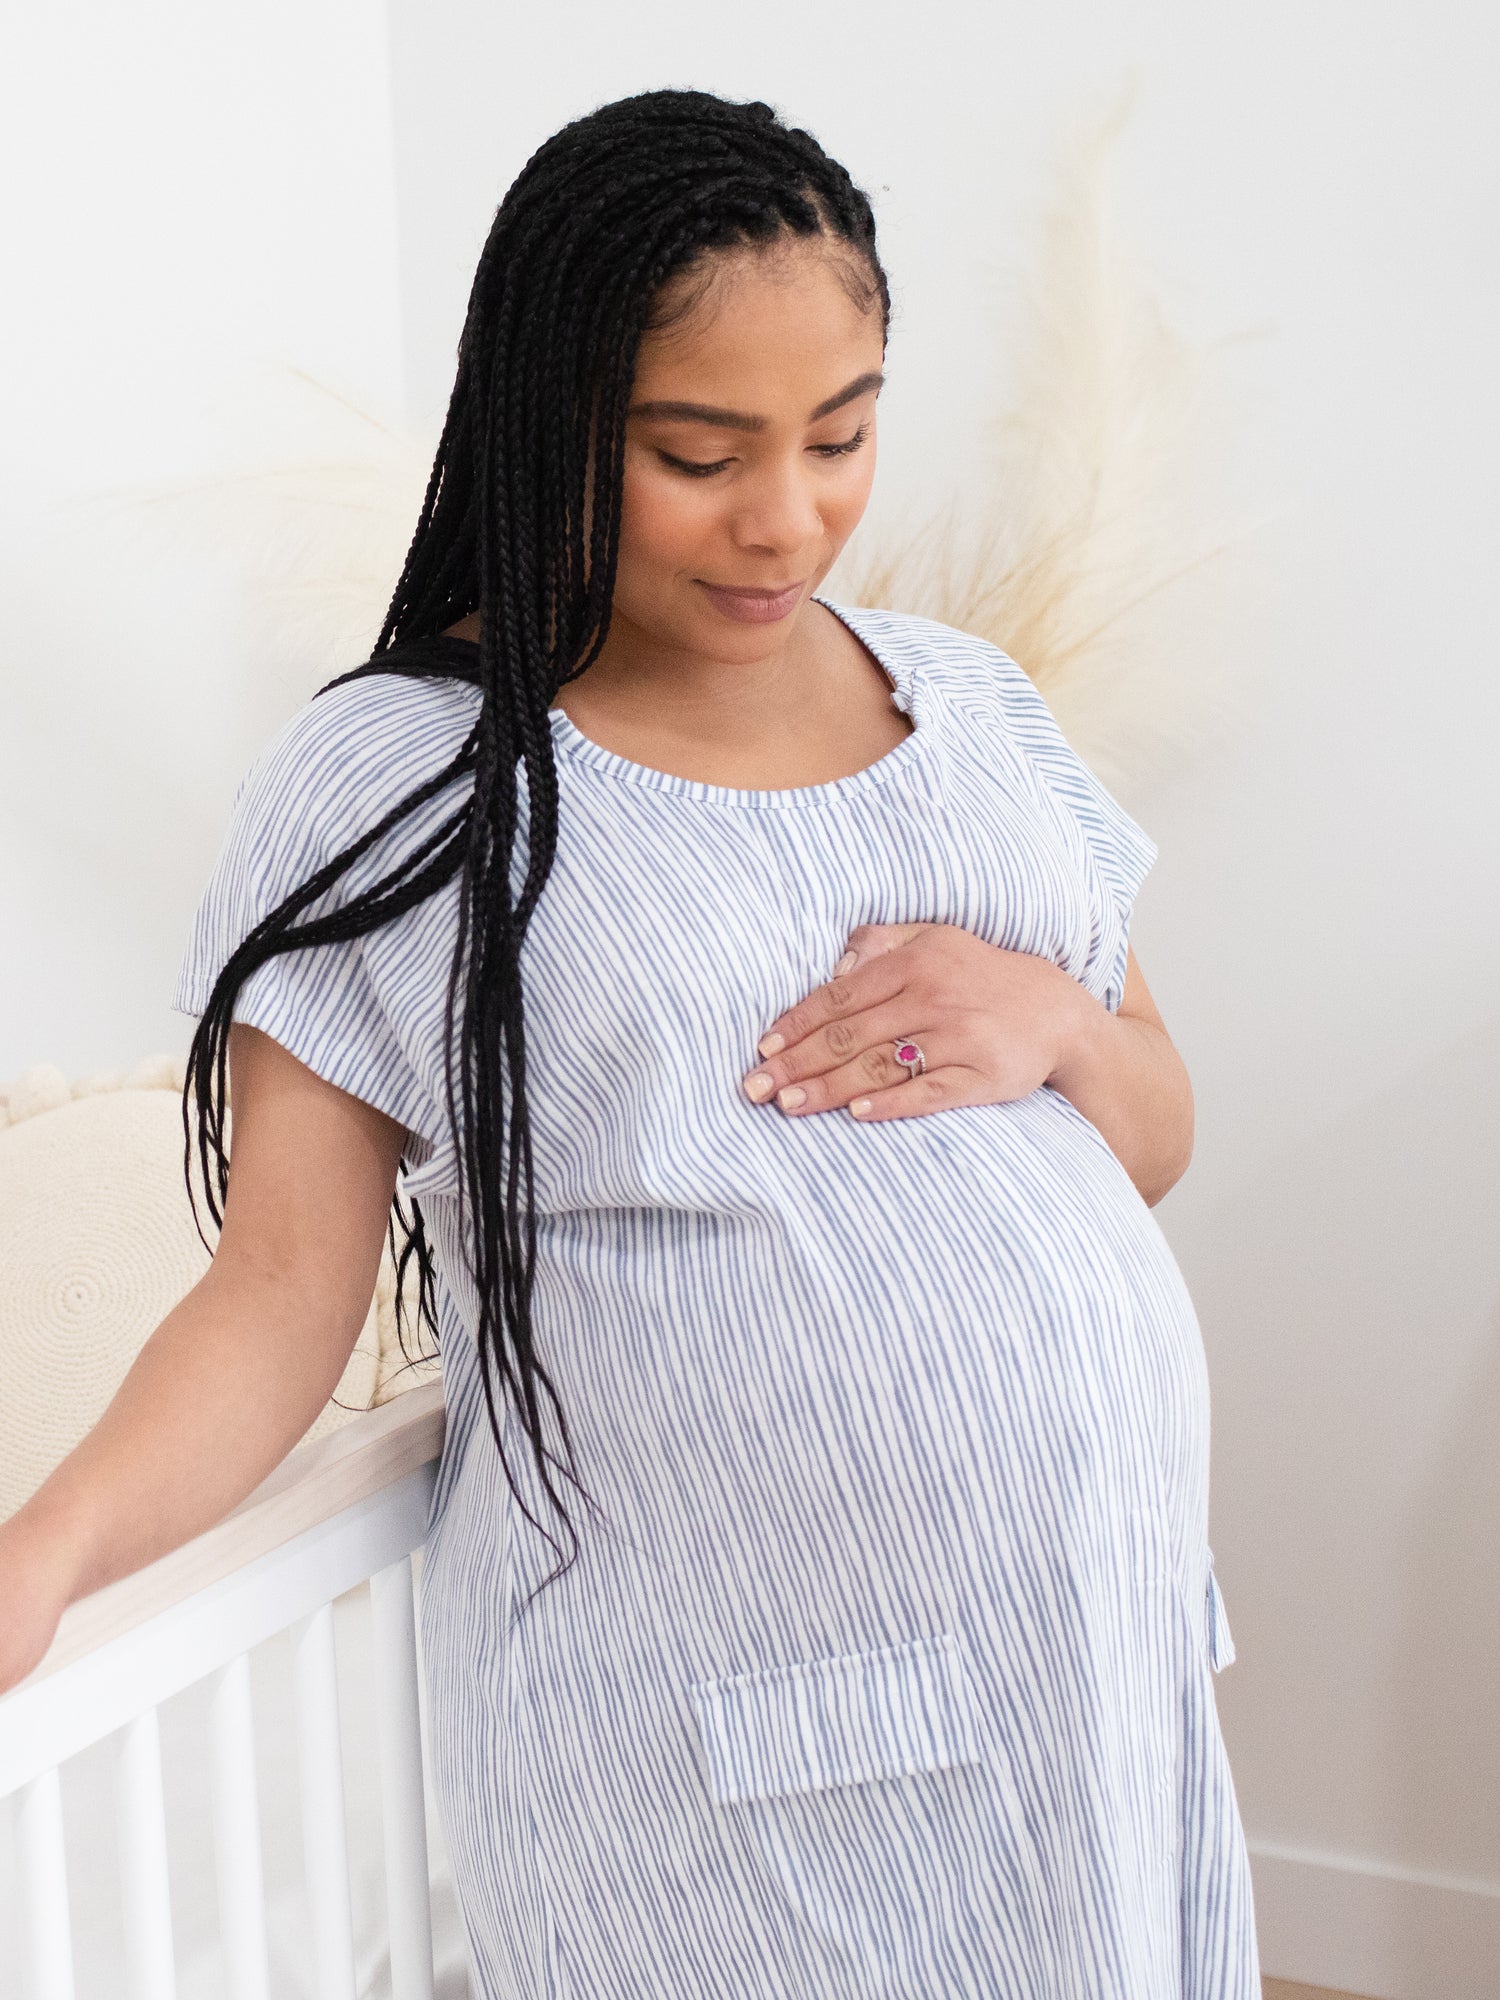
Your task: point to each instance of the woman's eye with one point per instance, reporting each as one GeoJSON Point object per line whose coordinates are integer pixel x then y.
{"type": "Point", "coordinates": [849, 444]}
{"type": "Point", "coordinates": [691, 466]}
{"type": "Point", "coordinates": [703, 469]}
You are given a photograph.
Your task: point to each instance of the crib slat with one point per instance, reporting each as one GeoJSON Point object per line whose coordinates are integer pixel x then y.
{"type": "Point", "coordinates": [399, 1727]}
{"type": "Point", "coordinates": [144, 1890]}
{"type": "Point", "coordinates": [49, 1939]}
{"type": "Point", "coordinates": [242, 1902]}
{"type": "Point", "coordinates": [324, 1844]}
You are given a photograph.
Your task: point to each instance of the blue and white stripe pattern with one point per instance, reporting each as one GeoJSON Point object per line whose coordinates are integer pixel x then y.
{"type": "Point", "coordinates": [889, 1669]}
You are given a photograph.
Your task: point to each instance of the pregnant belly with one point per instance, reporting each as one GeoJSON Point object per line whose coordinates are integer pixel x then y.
{"type": "Point", "coordinates": [954, 1265]}
{"type": "Point", "coordinates": [881, 1361]}
{"type": "Point", "coordinates": [1021, 1205]}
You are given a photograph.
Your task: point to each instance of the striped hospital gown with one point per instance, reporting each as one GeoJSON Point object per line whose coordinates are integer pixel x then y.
{"type": "Point", "coordinates": [888, 1670]}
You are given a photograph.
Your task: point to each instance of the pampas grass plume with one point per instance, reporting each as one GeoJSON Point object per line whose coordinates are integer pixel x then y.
{"type": "Point", "coordinates": [1082, 522]}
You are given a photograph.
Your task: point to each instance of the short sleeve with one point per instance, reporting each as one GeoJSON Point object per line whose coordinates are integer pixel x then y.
{"type": "Point", "coordinates": [331, 773]}
{"type": "Point", "coordinates": [1119, 853]}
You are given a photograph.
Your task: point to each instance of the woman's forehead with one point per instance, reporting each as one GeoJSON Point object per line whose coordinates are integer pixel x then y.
{"type": "Point", "coordinates": [762, 321]}
{"type": "Point", "coordinates": [723, 280]}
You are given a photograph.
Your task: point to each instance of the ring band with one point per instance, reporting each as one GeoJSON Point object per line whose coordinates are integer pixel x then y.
{"type": "Point", "coordinates": [909, 1055]}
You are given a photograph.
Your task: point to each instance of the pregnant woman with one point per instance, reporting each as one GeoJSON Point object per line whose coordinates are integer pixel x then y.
{"type": "Point", "coordinates": [735, 991]}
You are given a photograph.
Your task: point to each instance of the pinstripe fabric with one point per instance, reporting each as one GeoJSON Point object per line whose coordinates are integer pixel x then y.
{"type": "Point", "coordinates": [889, 1671]}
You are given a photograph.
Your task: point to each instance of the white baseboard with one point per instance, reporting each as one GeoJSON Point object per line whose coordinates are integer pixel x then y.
{"type": "Point", "coordinates": [1394, 1935]}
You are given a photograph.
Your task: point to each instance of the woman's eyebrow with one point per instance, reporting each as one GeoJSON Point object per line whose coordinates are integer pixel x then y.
{"type": "Point", "coordinates": [737, 420]}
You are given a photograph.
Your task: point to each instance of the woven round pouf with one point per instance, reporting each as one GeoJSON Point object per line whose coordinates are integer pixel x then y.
{"type": "Point", "coordinates": [97, 1244]}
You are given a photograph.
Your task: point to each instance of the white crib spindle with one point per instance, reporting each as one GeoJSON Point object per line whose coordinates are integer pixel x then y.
{"type": "Point", "coordinates": [325, 1848]}
{"type": "Point", "coordinates": [144, 1892]}
{"type": "Point", "coordinates": [403, 1808]}
{"type": "Point", "coordinates": [242, 1903]}
{"type": "Point", "coordinates": [45, 1889]}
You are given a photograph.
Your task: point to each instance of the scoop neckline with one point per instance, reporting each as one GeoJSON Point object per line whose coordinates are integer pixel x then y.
{"type": "Point", "coordinates": [579, 749]}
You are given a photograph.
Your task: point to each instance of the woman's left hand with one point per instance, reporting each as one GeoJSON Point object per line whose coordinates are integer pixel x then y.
{"type": "Point", "coordinates": [992, 1024]}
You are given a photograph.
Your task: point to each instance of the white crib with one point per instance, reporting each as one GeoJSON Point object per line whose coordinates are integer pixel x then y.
{"type": "Point", "coordinates": [328, 1538]}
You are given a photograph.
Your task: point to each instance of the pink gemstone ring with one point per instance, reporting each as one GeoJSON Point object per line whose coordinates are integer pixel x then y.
{"type": "Point", "coordinates": [910, 1056]}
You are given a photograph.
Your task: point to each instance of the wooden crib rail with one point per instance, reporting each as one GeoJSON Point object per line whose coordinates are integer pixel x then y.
{"type": "Point", "coordinates": [313, 1483]}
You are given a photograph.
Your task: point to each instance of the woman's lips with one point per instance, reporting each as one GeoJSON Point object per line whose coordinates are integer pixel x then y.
{"type": "Point", "coordinates": [753, 607]}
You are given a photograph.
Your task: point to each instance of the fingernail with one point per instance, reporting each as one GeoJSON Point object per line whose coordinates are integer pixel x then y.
{"type": "Point", "coordinates": [758, 1085]}
{"type": "Point", "coordinates": [770, 1045]}
{"type": "Point", "coordinates": [844, 964]}
{"type": "Point", "coordinates": [860, 1106]}
{"type": "Point", "coordinates": [791, 1097]}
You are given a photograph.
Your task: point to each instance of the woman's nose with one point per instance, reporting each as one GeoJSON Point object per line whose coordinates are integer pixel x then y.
{"type": "Point", "coordinates": [779, 512]}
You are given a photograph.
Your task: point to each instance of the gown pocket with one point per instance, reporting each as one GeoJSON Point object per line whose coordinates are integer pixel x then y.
{"type": "Point", "coordinates": [877, 1798]}
{"type": "Point", "coordinates": [815, 1724]}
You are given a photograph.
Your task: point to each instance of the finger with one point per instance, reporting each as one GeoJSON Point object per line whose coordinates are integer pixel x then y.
{"type": "Point", "coordinates": [935, 1090]}
{"type": "Point", "coordinates": [867, 941]}
{"type": "Point", "coordinates": [848, 993]}
{"type": "Point", "coordinates": [873, 1069]}
{"type": "Point", "coordinates": [839, 1044]}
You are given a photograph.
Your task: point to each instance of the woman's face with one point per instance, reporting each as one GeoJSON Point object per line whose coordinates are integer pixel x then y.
{"type": "Point", "coordinates": [750, 450]}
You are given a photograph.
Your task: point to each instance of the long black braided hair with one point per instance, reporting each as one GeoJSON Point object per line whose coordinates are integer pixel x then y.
{"type": "Point", "coordinates": [521, 523]}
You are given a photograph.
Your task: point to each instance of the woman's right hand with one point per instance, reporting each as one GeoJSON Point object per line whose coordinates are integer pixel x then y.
{"type": "Point", "coordinates": [36, 1586]}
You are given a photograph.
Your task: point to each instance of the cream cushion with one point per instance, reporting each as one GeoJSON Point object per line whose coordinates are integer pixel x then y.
{"type": "Point", "coordinates": [97, 1244]}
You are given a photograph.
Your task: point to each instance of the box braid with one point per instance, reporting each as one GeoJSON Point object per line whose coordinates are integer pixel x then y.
{"type": "Point", "coordinates": [521, 522]}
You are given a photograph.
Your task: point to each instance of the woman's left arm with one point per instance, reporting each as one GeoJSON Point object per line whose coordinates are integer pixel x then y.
{"type": "Point", "coordinates": [994, 1025]}
{"type": "Point", "coordinates": [1124, 1074]}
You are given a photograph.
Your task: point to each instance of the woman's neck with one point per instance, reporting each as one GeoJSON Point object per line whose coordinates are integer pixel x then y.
{"type": "Point", "coordinates": [816, 708]}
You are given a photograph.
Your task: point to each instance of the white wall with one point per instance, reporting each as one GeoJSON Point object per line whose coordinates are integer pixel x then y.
{"type": "Point", "coordinates": [194, 197]}
{"type": "Point", "coordinates": [200, 194]}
